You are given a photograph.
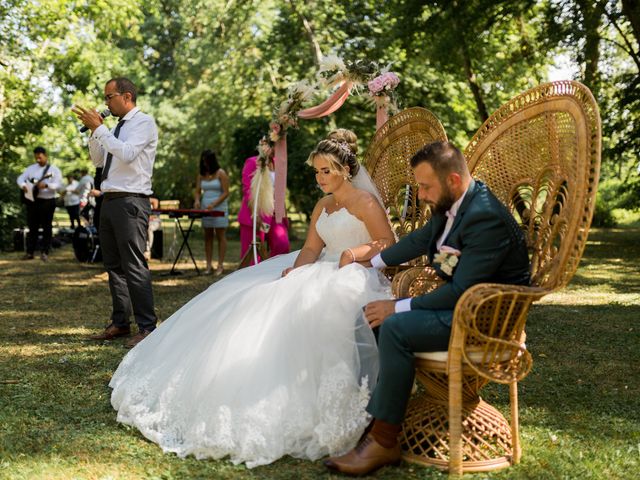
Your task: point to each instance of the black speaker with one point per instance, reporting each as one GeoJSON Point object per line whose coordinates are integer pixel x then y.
{"type": "Point", "coordinates": [156, 246]}
{"type": "Point", "coordinates": [19, 239]}
{"type": "Point", "coordinates": [86, 244]}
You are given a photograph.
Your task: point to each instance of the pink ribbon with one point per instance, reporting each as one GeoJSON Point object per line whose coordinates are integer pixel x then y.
{"type": "Point", "coordinates": [381, 115]}
{"type": "Point", "coordinates": [280, 185]}
{"type": "Point", "coordinates": [330, 105]}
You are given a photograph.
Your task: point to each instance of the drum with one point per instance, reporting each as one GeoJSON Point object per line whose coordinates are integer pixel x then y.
{"type": "Point", "coordinates": [86, 244]}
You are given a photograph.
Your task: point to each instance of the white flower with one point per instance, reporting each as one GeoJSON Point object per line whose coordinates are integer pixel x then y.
{"type": "Point", "coordinates": [304, 89]}
{"type": "Point", "coordinates": [447, 257]}
{"type": "Point", "coordinates": [331, 63]}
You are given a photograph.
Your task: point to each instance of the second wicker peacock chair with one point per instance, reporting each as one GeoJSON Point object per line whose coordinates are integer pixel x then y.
{"type": "Point", "coordinates": [540, 154]}
{"type": "Point", "coordinates": [387, 161]}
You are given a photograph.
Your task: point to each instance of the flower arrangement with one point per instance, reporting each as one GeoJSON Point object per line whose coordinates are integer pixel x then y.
{"type": "Point", "coordinates": [382, 91]}
{"type": "Point", "coordinates": [447, 258]}
{"type": "Point", "coordinates": [286, 115]}
{"type": "Point", "coordinates": [332, 70]}
{"type": "Point", "coordinates": [381, 85]}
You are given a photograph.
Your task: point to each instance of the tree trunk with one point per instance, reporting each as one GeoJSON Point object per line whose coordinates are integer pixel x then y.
{"type": "Point", "coordinates": [468, 69]}
{"type": "Point", "coordinates": [311, 36]}
{"type": "Point", "coordinates": [592, 18]}
{"type": "Point", "coordinates": [473, 84]}
{"type": "Point", "coordinates": [631, 10]}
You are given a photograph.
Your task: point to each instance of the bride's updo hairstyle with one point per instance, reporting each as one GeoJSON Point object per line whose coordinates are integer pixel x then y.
{"type": "Point", "coordinates": [340, 148]}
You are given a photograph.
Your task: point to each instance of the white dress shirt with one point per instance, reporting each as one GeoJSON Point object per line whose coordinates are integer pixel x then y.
{"type": "Point", "coordinates": [85, 184]}
{"type": "Point", "coordinates": [134, 152]}
{"type": "Point", "coordinates": [71, 196]}
{"type": "Point", "coordinates": [34, 172]}
{"type": "Point", "coordinates": [404, 305]}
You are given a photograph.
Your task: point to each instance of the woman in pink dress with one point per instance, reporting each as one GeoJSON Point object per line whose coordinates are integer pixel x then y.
{"type": "Point", "coordinates": [276, 233]}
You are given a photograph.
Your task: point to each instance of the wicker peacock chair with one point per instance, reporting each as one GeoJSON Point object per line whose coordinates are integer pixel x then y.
{"type": "Point", "coordinates": [540, 154]}
{"type": "Point", "coordinates": [387, 161]}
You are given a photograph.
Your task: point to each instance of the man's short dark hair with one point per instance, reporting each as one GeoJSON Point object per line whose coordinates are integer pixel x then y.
{"type": "Point", "coordinates": [38, 150]}
{"type": "Point", "coordinates": [124, 85]}
{"type": "Point", "coordinates": [443, 157]}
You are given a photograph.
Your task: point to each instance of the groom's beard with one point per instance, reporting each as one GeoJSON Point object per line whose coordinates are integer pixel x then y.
{"type": "Point", "coordinates": [444, 203]}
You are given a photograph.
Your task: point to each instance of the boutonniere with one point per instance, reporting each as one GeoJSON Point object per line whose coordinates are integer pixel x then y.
{"type": "Point", "coordinates": [447, 257]}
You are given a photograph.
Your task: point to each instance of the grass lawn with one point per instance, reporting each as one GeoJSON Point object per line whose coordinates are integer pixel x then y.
{"type": "Point", "coordinates": [579, 407]}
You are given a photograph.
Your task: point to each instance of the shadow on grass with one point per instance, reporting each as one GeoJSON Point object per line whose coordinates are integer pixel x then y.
{"type": "Point", "coordinates": [57, 421]}
{"type": "Point", "coordinates": [585, 372]}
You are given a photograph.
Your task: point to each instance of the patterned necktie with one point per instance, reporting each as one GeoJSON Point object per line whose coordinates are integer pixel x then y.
{"type": "Point", "coordinates": [107, 164]}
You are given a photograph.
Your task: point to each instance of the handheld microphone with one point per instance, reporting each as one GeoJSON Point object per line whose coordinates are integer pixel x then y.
{"type": "Point", "coordinates": [104, 114]}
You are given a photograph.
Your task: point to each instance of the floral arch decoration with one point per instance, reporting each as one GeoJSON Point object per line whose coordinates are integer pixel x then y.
{"type": "Point", "coordinates": [345, 77]}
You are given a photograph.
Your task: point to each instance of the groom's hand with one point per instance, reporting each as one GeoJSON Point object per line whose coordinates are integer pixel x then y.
{"type": "Point", "coordinates": [377, 312]}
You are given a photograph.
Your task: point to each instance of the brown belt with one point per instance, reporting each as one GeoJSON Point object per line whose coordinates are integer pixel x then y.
{"type": "Point", "coordinates": [114, 195]}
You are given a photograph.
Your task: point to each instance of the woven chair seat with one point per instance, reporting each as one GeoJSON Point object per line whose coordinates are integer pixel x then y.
{"type": "Point", "coordinates": [475, 356]}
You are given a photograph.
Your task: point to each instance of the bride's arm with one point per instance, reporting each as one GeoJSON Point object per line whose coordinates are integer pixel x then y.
{"type": "Point", "coordinates": [375, 219]}
{"type": "Point", "coordinates": [313, 244]}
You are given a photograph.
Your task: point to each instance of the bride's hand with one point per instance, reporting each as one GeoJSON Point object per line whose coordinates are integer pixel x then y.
{"type": "Point", "coordinates": [286, 271]}
{"type": "Point", "coordinates": [346, 258]}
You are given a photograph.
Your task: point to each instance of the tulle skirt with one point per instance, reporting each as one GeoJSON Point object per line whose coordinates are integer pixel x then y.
{"type": "Point", "coordinates": [258, 366]}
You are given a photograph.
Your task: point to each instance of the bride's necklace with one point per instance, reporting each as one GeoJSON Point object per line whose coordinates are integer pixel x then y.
{"type": "Point", "coordinates": [341, 203]}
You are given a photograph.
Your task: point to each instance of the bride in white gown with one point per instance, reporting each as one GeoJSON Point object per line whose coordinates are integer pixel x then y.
{"type": "Point", "coordinates": [274, 359]}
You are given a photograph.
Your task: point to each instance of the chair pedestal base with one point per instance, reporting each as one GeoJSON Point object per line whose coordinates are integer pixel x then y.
{"type": "Point", "coordinates": [486, 434]}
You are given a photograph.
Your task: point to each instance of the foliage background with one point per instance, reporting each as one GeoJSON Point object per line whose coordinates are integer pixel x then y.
{"type": "Point", "coordinates": [211, 72]}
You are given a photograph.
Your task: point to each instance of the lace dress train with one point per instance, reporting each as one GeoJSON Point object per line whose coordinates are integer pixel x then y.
{"type": "Point", "coordinates": [258, 366]}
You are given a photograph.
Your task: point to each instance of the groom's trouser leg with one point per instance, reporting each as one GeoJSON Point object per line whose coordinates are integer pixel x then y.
{"type": "Point", "coordinates": [400, 335]}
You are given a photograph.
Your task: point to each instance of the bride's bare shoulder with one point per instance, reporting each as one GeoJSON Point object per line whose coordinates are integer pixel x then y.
{"type": "Point", "coordinates": [365, 200]}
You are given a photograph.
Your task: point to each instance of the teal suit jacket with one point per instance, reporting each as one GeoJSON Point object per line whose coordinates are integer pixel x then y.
{"type": "Point", "coordinates": [492, 245]}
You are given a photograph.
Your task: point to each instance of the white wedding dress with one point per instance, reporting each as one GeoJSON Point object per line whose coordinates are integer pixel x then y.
{"type": "Point", "coordinates": [258, 366]}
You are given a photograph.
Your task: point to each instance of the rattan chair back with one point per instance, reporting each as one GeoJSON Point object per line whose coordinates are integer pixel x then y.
{"type": "Point", "coordinates": [540, 154]}
{"type": "Point", "coordinates": [387, 161]}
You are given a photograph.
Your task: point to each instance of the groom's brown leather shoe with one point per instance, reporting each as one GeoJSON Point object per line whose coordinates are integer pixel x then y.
{"type": "Point", "coordinates": [112, 332]}
{"type": "Point", "coordinates": [368, 456]}
{"type": "Point", "coordinates": [137, 339]}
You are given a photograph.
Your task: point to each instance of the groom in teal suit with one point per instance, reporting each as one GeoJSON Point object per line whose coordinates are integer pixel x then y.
{"type": "Point", "coordinates": [471, 238]}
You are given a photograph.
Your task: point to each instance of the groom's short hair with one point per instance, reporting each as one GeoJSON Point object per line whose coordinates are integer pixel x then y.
{"type": "Point", "coordinates": [443, 157]}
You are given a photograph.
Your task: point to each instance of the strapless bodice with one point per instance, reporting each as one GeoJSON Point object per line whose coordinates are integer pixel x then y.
{"type": "Point", "coordinates": [341, 230]}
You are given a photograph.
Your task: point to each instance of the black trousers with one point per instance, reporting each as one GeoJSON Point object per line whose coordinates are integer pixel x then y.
{"type": "Point", "coordinates": [123, 240]}
{"type": "Point", "coordinates": [74, 215]}
{"type": "Point", "coordinates": [40, 215]}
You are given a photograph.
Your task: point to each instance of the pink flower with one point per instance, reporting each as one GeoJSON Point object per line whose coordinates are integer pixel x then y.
{"type": "Point", "coordinates": [386, 81]}
{"type": "Point", "coordinates": [375, 85]}
{"type": "Point", "coordinates": [275, 127]}
{"type": "Point", "coordinates": [391, 80]}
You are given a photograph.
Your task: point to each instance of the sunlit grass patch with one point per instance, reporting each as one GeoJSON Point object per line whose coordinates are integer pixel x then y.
{"type": "Point", "coordinates": [579, 406]}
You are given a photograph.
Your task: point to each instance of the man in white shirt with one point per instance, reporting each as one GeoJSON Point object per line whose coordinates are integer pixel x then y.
{"type": "Point", "coordinates": [126, 156]}
{"type": "Point", "coordinates": [40, 183]}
